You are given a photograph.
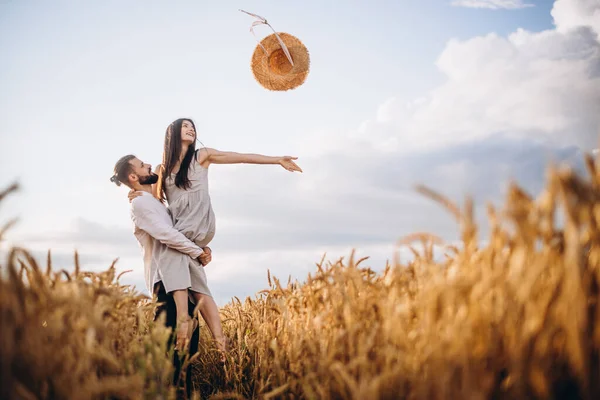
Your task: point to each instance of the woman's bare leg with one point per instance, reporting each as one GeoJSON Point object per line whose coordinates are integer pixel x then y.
{"type": "Point", "coordinates": [210, 313]}
{"type": "Point", "coordinates": [183, 319]}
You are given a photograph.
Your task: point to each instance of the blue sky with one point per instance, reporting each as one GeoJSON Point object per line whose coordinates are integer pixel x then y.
{"type": "Point", "coordinates": [399, 92]}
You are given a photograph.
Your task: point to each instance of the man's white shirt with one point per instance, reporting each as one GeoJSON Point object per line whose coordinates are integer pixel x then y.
{"type": "Point", "coordinates": [153, 227]}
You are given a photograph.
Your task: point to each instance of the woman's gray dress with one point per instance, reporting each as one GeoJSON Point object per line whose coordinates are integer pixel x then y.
{"type": "Point", "coordinates": [192, 214]}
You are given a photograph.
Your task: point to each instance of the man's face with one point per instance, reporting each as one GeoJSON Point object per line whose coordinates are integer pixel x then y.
{"type": "Point", "coordinates": [142, 172]}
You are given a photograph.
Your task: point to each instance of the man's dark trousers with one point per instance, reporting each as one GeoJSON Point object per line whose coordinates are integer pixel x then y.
{"type": "Point", "coordinates": [167, 304]}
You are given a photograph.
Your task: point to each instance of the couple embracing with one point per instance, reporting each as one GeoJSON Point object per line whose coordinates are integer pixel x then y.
{"type": "Point", "coordinates": [174, 236]}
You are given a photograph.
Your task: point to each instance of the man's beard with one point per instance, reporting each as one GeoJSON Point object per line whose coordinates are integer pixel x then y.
{"type": "Point", "coordinates": [149, 179]}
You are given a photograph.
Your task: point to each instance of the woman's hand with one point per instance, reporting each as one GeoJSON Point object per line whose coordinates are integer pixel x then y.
{"type": "Point", "coordinates": [133, 194]}
{"type": "Point", "coordinates": [287, 163]}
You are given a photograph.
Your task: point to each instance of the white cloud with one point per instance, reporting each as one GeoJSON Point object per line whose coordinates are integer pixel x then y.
{"type": "Point", "coordinates": [492, 4]}
{"type": "Point", "coordinates": [543, 86]}
{"type": "Point", "coordinates": [572, 14]}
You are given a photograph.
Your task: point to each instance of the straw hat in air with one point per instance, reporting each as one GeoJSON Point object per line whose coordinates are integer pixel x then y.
{"type": "Point", "coordinates": [271, 67]}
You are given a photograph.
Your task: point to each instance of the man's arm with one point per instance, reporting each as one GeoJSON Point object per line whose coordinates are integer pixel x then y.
{"type": "Point", "coordinates": [149, 220]}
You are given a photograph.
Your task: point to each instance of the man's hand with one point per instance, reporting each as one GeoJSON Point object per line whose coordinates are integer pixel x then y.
{"type": "Point", "coordinates": [287, 163]}
{"type": "Point", "coordinates": [133, 194]}
{"type": "Point", "coordinates": [206, 256]}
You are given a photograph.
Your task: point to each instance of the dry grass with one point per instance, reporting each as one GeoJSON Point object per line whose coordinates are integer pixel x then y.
{"type": "Point", "coordinates": [77, 335]}
{"type": "Point", "coordinates": [515, 317]}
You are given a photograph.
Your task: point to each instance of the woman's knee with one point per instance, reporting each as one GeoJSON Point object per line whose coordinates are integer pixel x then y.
{"type": "Point", "coordinates": [202, 300]}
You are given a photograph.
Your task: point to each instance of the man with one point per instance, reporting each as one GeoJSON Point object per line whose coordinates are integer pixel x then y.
{"type": "Point", "coordinates": [167, 253]}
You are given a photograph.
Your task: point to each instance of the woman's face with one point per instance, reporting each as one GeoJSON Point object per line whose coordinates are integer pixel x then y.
{"type": "Point", "coordinates": [188, 133]}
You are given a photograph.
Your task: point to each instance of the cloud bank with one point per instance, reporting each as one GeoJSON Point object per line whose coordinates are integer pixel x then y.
{"type": "Point", "coordinates": [492, 4]}
{"type": "Point", "coordinates": [508, 106]}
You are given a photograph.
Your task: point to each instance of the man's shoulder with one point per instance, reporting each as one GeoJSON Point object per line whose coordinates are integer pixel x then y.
{"type": "Point", "coordinates": [140, 201]}
{"type": "Point", "coordinates": [144, 202]}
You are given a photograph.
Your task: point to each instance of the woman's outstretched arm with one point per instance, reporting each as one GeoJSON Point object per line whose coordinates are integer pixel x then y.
{"type": "Point", "coordinates": [229, 157]}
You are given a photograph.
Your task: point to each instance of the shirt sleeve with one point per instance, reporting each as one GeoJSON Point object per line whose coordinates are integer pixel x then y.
{"type": "Point", "coordinates": [150, 221]}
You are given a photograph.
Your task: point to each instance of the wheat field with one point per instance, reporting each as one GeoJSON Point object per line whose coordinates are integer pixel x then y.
{"type": "Point", "coordinates": [511, 317]}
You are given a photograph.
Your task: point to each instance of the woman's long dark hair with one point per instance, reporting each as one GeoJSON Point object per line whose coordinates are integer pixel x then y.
{"type": "Point", "coordinates": [171, 152]}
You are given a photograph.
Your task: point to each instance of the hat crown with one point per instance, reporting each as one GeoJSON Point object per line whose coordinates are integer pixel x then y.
{"type": "Point", "coordinates": [279, 63]}
{"type": "Point", "coordinates": [271, 66]}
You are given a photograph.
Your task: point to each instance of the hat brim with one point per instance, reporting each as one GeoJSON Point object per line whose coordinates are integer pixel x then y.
{"type": "Point", "coordinates": [278, 81]}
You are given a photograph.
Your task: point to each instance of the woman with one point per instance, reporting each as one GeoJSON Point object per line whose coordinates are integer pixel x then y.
{"type": "Point", "coordinates": [183, 183]}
